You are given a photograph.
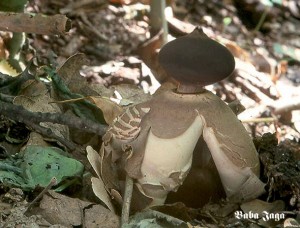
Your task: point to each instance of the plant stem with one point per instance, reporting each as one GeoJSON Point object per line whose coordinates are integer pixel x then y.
{"type": "Point", "coordinates": [157, 18]}
{"type": "Point", "coordinates": [127, 200]}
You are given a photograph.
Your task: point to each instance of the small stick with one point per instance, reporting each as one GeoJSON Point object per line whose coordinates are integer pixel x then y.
{"type": "Point", "coordinates": [34, 23]}
{"type": "Point", "coordinates": [48, 133]}
{"type": "Point", "coordinates": [53, 182]}
{"type": "Point", "coordinates": [20, 114]}
{"type": "Point", "coordinates": [158, 19]}
{"type": "Point", "coordinates": [259, 120]}
{"type": "Point", "coordinates": [127, 200]}
{"type": "Point", "coordinates": [262, 19]}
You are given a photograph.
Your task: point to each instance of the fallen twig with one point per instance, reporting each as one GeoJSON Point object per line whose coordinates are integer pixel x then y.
{"type": "Point", "coordinates": [260, 120]}
{"type": "Point", "coordinates": [158, 19]}
{"type": "Point", "coordinates": [18, 113]}
{"type": "Point", "coordinates": [48, 133]}
{"type": "Point", "coordinates": [34, 23]}
{"type": "Point", "coordinates": [49, 186]}
{"type": "Point", "coordinates": [127, 200]}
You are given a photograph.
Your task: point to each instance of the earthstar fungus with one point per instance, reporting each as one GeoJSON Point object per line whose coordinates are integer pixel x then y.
{"type": "Point", "coordinates": [154, 142]}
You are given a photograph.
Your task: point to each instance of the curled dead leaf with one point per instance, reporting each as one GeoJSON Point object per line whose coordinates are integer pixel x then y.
{"type": "Point", "coordinates": [109, 108]}
{"type": "Point", "coordinates": [101, 193]}
{"type": "Point", "coordinates": [97, 183]}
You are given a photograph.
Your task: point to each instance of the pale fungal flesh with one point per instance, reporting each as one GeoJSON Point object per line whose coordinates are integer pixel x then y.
{"type": "Point", "coordinates": [153, 143]}
{"type": "Point", "coordinates": [159, 164]}
{"type": "Point", "coordinates": [243, 177]}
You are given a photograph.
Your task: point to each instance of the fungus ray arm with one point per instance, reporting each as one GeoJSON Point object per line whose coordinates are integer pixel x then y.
{"type": "Point", "coordinates": [240, 183]}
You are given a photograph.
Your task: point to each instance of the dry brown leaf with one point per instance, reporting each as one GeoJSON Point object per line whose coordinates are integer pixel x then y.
{"type": "Point", "coordinates": [258, 206]}
{"type": "Point", "coordinates": [123, 2]}
{"type": "Point", "coordinates": [36, 139]}
{"type": "Point", "coordinates": [36, 98]}
{"type": "Point", "coordinates": [109, 108]}
{"type": "Point", "coordinates": [263, 208]}
{"type": "Point", "coordinates": [148, 52]}
{"type": "Point", "coordinates": [3, 51]}
{"type": "Point", "coordinates": [67, 211]}
{"type": "Point", "coordinates": [101, 193]}
{"type": "Point", "coordinates": [97, 183]}
{"type": "Point", "coordinates": [94, 159]}
{"type": "Point", "coordinates": [181, 27]}
{"type": "Point", "coordinates": [130, 94]}
{"type": "Point", "coordinates": [69, 72]}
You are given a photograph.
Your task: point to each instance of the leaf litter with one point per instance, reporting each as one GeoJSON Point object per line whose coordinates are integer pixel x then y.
{"type": "Point", "coordinates": [279, 170]}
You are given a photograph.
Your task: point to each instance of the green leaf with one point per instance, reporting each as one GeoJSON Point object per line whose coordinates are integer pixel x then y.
{"type": "Point", "coordinates": [10, 178]}
{"type": "Point", "coordinates": [81, 107]}
{"type": "Point", "coordinates": [150, 219]}
{"type": "Point", "coordinates": [227, 21]}
{"type": "Point", "coordinates": [41, 164]}
{"type": "Point", "coordinates": [12, 85]}
{"type": "Point", "coordinates": [12, 5]}
{"type": "Point", "coordinates": [290, 51]}
{"type": "Point", "coordinates": [36, 166]}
